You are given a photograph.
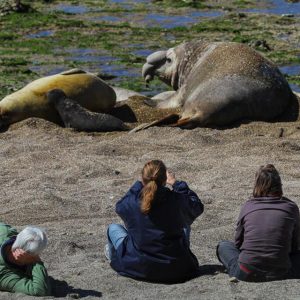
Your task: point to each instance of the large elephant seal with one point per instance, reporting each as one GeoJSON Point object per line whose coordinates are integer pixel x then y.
{"type": "Point", "coordinates": [219, 83]}
{"type": "Point", "coordinates": [31, 101]}
{"type": "Point", "coordinates": [75, 116]}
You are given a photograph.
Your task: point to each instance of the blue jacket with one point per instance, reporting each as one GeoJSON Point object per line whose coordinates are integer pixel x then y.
{"type": "Point", "coordinates": [155, 248]}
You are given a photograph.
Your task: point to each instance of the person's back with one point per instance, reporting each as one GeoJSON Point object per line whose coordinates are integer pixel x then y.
{"type": "Point", "coordinates": [155, 246]}
{"type": "Point", "coordinates": [267, 233]}
{"type": "Point", "coordinates": [268, 225]}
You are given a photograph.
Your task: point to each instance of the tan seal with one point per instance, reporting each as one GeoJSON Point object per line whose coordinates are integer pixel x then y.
{"type": "Point", "coordinates": [31, 101]}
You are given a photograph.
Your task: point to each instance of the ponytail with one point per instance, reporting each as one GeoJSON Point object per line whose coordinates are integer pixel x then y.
{"type": "Point", "coordinates": [148, 194]}
{"type": "Point", "coordinates": [153, 176]}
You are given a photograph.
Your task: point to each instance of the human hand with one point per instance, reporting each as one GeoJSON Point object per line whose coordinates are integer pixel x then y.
{"type": "Point", "coordinates": [170, 177]}
{"type": "Point", "coordinates": [24, 258]}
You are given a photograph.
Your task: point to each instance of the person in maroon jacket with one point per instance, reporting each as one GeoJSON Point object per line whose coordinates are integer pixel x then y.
{"type": "Point", "coordinates": [267, 240]}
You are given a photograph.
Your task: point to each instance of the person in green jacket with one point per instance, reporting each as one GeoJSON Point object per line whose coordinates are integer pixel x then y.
{"type": "Point", "coordinates": [21, 269]}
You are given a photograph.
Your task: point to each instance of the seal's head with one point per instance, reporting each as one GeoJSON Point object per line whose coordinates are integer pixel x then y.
{"type": "Point", "coordinates": [55, 96]}
{"type": "Point", "coordinates": [164, 65]}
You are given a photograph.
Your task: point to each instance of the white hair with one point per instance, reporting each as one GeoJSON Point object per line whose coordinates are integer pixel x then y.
{"type": "Point", "coordinates": [31, 239]}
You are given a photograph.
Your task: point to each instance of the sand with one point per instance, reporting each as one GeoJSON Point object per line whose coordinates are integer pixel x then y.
{"type": "Point", "coordinates": [69, 182]}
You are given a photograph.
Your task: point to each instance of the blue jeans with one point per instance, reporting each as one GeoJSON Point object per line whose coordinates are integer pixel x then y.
{"type": "Point", "coordinates": [116, 233]}
{"type": "Point", "coordinates": [228, 255]}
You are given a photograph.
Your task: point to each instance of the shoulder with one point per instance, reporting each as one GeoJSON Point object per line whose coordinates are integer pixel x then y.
{"type": "Point", "coordinates": [134, 190]}
{"type": "Point", "coordinates": [6, 232]}
{"type": "Point", "coordinates": [130, 197]}
{"type": "Point", "coordinates": [291, 203]}
{"type": "Point", "coordinates": [180, 185]}
{"type": "Point", "coordinates": [136, 187]}
{"type": "Point", "coordinates": [247, 207]}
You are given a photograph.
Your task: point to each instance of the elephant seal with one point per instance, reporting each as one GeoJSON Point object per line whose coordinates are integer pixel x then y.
{"type": "Point", "coordinates": [75, 116]}
{"type": "Point", "coordinates": [217, 84]}
{"type": "Point", "coordinates": [123, 94]}
{"type": "Point", "coordinates": [31, 101]}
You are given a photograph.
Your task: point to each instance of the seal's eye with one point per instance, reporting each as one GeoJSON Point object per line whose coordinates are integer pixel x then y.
{"type": "Point", "coordinates": [168, 60]}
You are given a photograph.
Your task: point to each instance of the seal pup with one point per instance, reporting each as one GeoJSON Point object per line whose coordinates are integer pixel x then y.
{"type": "Point", "coordinates": [217, 84]}
{"type": "Point", "coordinates": [31, 101]}
{"type": "Point", "coordinates": [77, 117]}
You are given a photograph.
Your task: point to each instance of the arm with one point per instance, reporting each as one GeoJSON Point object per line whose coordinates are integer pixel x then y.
{"type": "Point", "coordinates": [239, 231]}
{"type": "Point", "coordinates": [239, 234]}
{"type": "Point", "coordinates": [192, 205]}
{"type": "Point", "coordinates": [295, 247]}
{"type": "Point", "coordinates": [35, 285]}
{"type": "Point", "coordinates": [6, 231]}
{"type": "Point", "coordinates": [122, 206]}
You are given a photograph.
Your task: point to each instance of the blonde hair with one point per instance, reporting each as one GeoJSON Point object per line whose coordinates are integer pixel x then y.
{"type": "Point", "coordinates": [154, 175]}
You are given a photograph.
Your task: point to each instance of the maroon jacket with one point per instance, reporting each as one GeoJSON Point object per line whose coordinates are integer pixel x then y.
{"type": "Point", "coordinates": [267, 232]}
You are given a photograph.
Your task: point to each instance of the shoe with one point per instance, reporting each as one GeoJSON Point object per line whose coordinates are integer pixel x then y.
{"type": "Point", "coordinates": [107, 252]}
{"type": "Point", "coordinates": [233, 279]}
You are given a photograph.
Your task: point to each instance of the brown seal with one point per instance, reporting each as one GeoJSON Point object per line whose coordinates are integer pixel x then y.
{"type": "Point", "coordinates": [219, 83]}
{"type": "Point", "coordinates": [75, 116]}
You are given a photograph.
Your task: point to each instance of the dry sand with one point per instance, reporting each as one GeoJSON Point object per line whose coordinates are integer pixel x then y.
{"type": "Point", "coordinates": [69, 182]}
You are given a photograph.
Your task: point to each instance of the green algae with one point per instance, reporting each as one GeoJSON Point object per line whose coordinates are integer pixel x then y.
{"type": "Point", "coordinates": [20, 48]}
{"type": "Point", "coordinates": [294, 79]}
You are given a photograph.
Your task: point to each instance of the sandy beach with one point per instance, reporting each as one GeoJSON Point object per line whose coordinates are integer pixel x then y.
{"type": "Point", "coordinates": [69, 182]}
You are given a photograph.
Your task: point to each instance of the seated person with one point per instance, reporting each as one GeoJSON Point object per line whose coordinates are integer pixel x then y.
{"type": "Point", "coordinates": [267, 234]}
{"type": "Point", "coordinates": [21, 269]}
{"type": "Point", "coordinates": [154, 246]}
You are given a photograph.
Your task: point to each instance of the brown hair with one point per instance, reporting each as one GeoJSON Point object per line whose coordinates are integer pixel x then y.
{"type": "Point", "coordinates": [267, 182]}
{"type": "Point", "coordinates": [154, 175]}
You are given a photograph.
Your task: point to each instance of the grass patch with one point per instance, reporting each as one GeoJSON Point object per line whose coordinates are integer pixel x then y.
{"type": "Point", "coordinates": [20, 50]}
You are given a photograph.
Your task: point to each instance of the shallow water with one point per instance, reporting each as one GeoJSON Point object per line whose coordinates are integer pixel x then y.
{"type": "Point", "coordinates": [72, 9]}
{"type": "Point", "coordinates": [39, 34]}
{"type": "Point", "coordinates": [290, 70]}
{"type": "Point", "coordinates": [106, 63]}
{"type": "Point", "coordinates": [279, 7]}
{"type": "Point", "coordinates": [160, 20]}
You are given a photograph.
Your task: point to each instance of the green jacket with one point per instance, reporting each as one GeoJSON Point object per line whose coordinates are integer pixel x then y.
{"type": "Point", "coordinates": [33, 281]}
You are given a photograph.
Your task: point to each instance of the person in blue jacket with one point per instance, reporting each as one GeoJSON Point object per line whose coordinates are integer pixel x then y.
{"type": "Point", "coordinates": [154, 244]}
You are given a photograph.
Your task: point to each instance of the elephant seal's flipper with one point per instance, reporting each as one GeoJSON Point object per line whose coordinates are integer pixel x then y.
{"type": "Point", "coordinates": [168, 120]}
{"type": "Point", "coordinates": [151, 102]}
{"type": "Point", "coordinates": [75, 116]}
{"type": "Point", "coordinates": [186, 123]}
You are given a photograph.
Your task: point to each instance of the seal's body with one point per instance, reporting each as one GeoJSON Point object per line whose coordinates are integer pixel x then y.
{"type": "Point", "coordinates": [77, 117]}
{"type": "Point", "coordinates": [31, 101]}
{"type": "Point", "coordinates": [218, 83]}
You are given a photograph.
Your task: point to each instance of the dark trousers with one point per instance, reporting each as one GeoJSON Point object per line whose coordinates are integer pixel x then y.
{"type": "Point", "coordinates": [228, 255]}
